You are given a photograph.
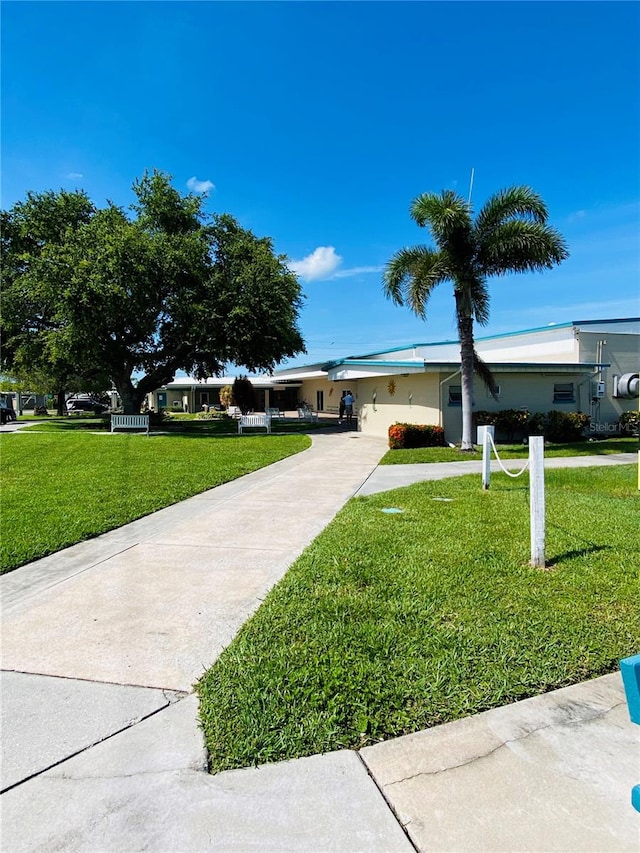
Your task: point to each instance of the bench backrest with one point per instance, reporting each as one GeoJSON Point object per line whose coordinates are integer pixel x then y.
{"type": "Point", "coordinates": [263, 421]}
{"type": "Point", "coordinates": [130, 422]}
{"type": "Point", "coordinates": [142, 420]}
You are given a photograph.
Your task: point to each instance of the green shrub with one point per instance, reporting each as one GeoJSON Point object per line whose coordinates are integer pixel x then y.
{"type": "Point", "coordinates": [402, 436]}
{"type": "Point", "coordinates": [226, 396]}
{"type": "Point", "coordinates": [512, 424]}
{"type": "Point", "coordinates": [244, 395]}
{"type": "Point", "coordinates": [537, 423]}
{"type": "Point", "coordinates": [212, 415]}
{"type": "Point", "coordinates": [482, 417]}
{"type": "Point", "coordinates": [566, 426]}
{"type": "Point", "coordinates": [508, 423]}
{"type": "Point", "coordinates": [629, 422]}
{"type": "Point", "coordinates": [157, 418]}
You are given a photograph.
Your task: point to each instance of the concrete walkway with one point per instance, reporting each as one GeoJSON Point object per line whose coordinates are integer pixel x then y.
{"type": "Point", "coordinates": [102, 643]}
{"type": "Point", "coordinates": [387, 477]}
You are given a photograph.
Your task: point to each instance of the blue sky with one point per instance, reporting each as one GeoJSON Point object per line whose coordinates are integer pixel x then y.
{"type": "Point", "coordinates": [317, 124]}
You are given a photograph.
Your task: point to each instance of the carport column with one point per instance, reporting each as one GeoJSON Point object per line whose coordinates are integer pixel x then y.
{"type": "Point", "coordinates": [536, 500]}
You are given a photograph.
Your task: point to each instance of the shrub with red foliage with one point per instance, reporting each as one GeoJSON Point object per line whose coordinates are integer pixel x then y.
{"type": "Point", "coordinates": [403, 436]}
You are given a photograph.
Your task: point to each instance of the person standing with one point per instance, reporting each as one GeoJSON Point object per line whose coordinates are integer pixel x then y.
{"type": "Point", "coordinates": [348, 406]}
{"type": "Point", "coordinates": [341, 409]}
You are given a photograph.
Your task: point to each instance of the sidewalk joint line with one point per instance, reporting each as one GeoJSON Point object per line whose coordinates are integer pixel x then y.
{"type": "Point", "coordinates": [388, 802]}
{"type": "Point", "coordinates": [89, 746]}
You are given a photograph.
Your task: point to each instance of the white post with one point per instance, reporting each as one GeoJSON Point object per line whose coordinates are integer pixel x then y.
{"type": "Point", "coordinates": [484, 432]}
{"type": "Point", "coordinates": [536, 498]}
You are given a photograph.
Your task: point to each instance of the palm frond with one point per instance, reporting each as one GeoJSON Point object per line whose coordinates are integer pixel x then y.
{"type": "Point", "coordinates": [480, 301]}
{"type": "Point", "coordinates": [514, 202]}
{"type": "Point", "coordinates": [484, 372]}
{"type": "Point", "coordinates": [443, 212]}
{"type": "Point", "coordinates": [411, 275]}
{"type": "Point", "coordinates": [518, 246]}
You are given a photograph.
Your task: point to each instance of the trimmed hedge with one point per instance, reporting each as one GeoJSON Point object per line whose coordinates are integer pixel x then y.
{"type": "Point", "coordinates": [403, 436]}
{"type": "Point", "coordinates": [556, 426]}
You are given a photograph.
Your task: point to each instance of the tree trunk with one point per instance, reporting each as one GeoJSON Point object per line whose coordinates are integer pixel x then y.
{"type": "Point", "coordinates": [130, 395]}
{"type": "Point", "coordinates": [62, 403]}
{"type": "Point", "coordinates": [465, 330]}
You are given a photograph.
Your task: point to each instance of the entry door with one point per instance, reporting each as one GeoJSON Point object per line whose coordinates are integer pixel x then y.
{"type": "Point", "coordinates": [320, 401]}
{"type": "Point", "coordinates": [162, 399]}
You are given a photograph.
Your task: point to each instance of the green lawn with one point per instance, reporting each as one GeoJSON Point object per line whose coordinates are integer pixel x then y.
{"type": "Point", "coordinates": [510, 451]}
{"type": "Point", "coordinates": [60, 487]}
{"type": "Point", "coordinates": [392, 623]}
{"type": "Point", "coordinates": [180, 424]}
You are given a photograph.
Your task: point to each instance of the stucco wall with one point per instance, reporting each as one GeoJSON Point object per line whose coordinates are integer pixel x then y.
{"type": "Point", "coordinates": [415, 400]}
{"type": "Point", "coordinates": [332, 392]}
{"type": "Point", "coordinates": [622, 352]}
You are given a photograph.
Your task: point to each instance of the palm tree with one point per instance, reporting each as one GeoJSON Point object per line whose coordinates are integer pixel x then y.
{"type": "Point", "coordinates": [510, 234]}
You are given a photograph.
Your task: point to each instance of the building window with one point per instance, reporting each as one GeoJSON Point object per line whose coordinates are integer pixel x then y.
{"type": "Point", "coordinates": [563, 392]}
{"type": "Point", "coordinates": [455, 395]}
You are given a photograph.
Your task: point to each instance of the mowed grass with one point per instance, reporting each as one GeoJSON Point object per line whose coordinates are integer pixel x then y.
{"type": "Point", "coordinates": [392, 623]}
{"type": "Point", "coordinates": [510, 451]}
{"type": "Point", "coordinates": [172, 425]}
{"type": "Point", "coordinates": [58, 488]}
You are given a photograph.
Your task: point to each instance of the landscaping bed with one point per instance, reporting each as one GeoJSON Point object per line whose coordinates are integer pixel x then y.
{"type": "Point", "coordinates": [593, 447]}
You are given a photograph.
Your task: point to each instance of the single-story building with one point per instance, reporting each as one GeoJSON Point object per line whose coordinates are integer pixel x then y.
{"type": "Point", "coordinates": [186, 394]}
{"type": "Point", "coordinates": [588, 366]}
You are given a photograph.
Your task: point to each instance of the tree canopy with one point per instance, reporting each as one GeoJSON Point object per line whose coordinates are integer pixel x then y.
{"type": "Point", "coordinates": [510, 234]}
{"type": "Point", "coordinates": [135, 296]}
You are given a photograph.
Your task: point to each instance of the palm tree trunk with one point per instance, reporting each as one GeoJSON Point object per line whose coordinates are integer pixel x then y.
{"type": "Point", "coordinates": [465, 330]}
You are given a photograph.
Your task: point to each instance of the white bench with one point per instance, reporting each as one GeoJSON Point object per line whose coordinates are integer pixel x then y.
{"type": "Point", "coordinates": [130, 422]}
{"type": "Point", "coordinates": [307, 415]}
{"type": "Point", "coordinates": [246, 421]}
{"type": "Point", "coordinates": [274, 413]}
{"type": "Point", "coordinates": [234, 412]}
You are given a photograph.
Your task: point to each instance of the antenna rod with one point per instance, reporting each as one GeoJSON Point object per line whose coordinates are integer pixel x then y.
{"type": "Point", "coordinates": [471, 185]}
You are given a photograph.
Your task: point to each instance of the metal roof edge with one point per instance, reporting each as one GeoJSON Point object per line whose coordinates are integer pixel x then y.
{"type": "Point", "coordinates": [613, 320]}
{"type": "Point", "coordinates": [566, 325]}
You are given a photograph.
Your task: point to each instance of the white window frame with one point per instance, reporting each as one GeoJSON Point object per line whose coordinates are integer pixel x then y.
{"type": "Point", "coordinates": [455, 395]}
{"type": "Point", "coordinates": [564, 392]}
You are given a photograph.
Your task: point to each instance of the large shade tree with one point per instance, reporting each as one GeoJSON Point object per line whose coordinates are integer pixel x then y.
{"type": "Point", "coordinates": [510, 234]}
{"type": "Point", "coordinates": [137, 298]}
{"type": "Point", "coordinates": [33, 331]}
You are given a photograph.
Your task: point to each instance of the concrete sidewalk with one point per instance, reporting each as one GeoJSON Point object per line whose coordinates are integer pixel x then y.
{"type": "Point", "coordinates": [102, 643]}
{"type": "Point", "coordinates": [386, 477]}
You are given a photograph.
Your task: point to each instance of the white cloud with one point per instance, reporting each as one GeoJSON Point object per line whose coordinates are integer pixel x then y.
{"type": "Point", "coordinates": [578, 214]}
{"type": "Point", "coordinates": [74, 176]}
{"type": "Point", "coordinates": [356, 271]}
{"type": "Point", "coordinates": [319, 265]}
{"type": "Point", "coordinates": [197, 186]}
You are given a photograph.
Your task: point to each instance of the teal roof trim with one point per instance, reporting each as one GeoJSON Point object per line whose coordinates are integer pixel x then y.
{"type": "Point", "coordinates": [361, 362]}
{"type": "Point", "coordinates": [484, 338]}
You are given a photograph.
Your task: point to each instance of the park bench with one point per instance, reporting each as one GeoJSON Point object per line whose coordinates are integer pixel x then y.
{"type": "Point", "coordinates": [234, 412]}
{"type": "Point", "coordinates": [254, 421]}
{"type": "Point", "coordinates": [307, 415]}
{"type": "Point", "coordinates": [130, 422]}
{"type": "Point", "coordinates": [274, 413]}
